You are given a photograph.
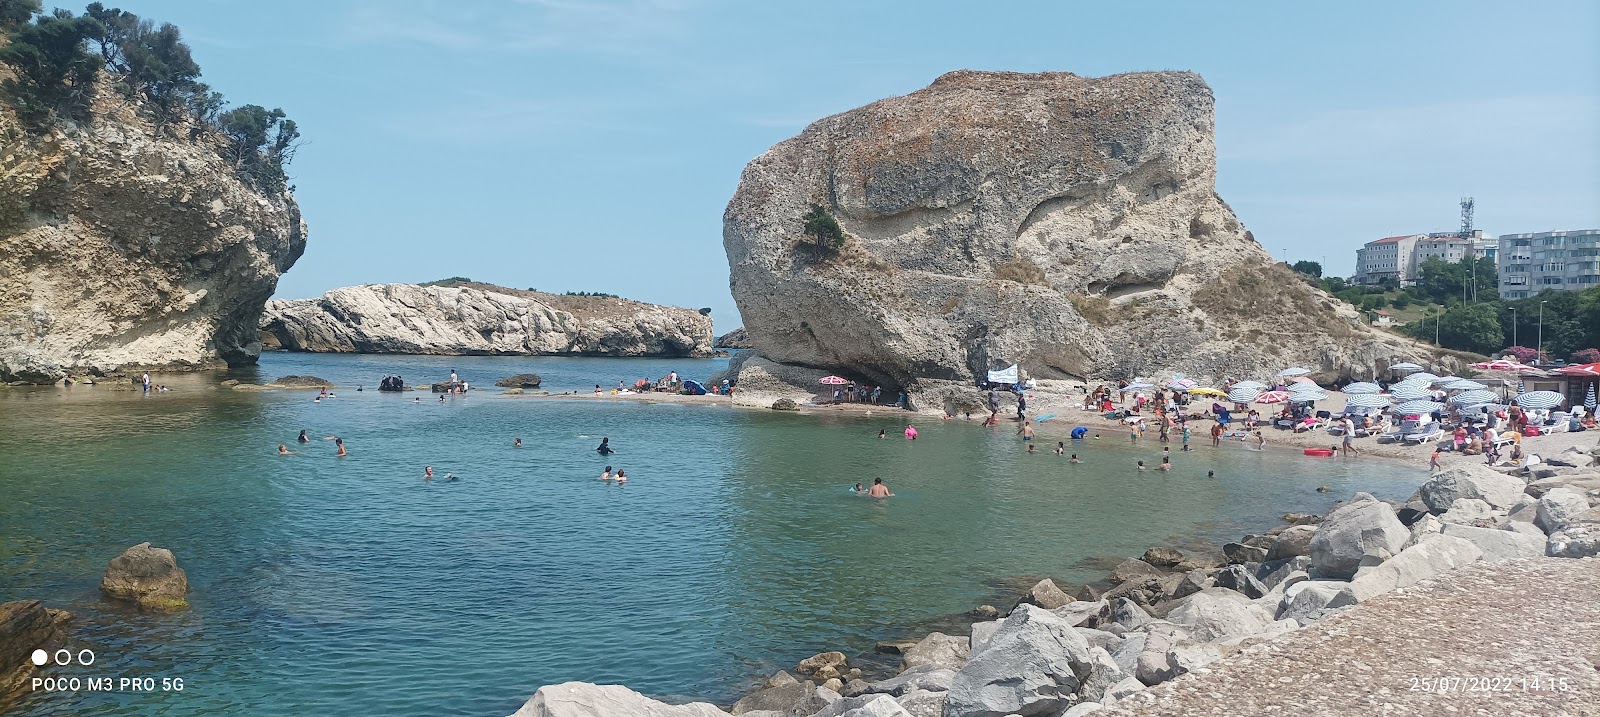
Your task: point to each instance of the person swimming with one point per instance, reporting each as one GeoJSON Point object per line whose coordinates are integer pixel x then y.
{"type": "Point", "coordinates": [1061, 447]}
{"type": "Point", "coordinates": [303, 438]}
{"type": "Point", "coordinates": [1141, 465]}
{"type": "Point", "coordinates": [418, 399]}
{"type": "Point", "coordinates": [858, 489]}
{"type": "Point", "coordinates": [879, 490]}
{"type": "Point", "coordinates": [427, 473]}
{"type": "Point", "coordinates": [1031, 447]}
{"type": "Point", "coordinates": [451, 477]}
{"type": "Point", "coordinates": [1074, 459]}
{"type": "Point", "coordinates": [622, 476]}
{"type": "Point", "coordinates": [441, 398]}
{"type": "Point", "coordinates": [1211, 474]}
{"type": "Point", "coordinates": [604, 448]}
{"type": "Point", "coordinates": [607, 474]}
{"type": "Point", "coordinates": [516, 443]}
{"type": "Point", "coordinates": [883, 433]}
{"type": "Point", "coordinates": [283, 450]}
{"type": "Point", "coordinates": [340, 443]}
{"type": "Point", "coordinates": [1166, 463]}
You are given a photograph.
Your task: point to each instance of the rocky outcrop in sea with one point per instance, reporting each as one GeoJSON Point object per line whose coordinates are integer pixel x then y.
{"type": "Point", "coordinates": [122, 247]}
{"type": "Point", "coordinates": [481, 319]}
{"type": "Point", "coordinates": [1066, 223]}
{"type": "Point", "coordinates": [1171, 613]}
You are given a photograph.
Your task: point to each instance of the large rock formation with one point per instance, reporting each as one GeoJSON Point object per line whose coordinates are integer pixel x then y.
{"type": "Point", "coordinates": [1067, 223]}
{"type": "Point", "coordinates": [26, 626]}
{"type": "Point", "coordinates": [481, 319]}
{"type": "Point", "coordinates": [122, 247]}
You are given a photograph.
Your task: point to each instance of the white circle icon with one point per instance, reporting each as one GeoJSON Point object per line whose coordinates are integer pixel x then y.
{"type": "Point", "coordinates": [85, 657]}
{"type": "Point", "coordinates": [63, 657]}
{"type": "Point", "coordinates": [40, 657]}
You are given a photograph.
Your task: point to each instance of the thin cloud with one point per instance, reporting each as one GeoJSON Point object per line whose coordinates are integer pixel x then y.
{"type": "Point", "coordinates": [622, 27]}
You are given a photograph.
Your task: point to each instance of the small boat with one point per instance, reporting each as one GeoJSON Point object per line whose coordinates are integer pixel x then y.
{"type": "Point", "coordinates": [1324, 452]}
{"type": "Point", "coordinates": [391, 383]}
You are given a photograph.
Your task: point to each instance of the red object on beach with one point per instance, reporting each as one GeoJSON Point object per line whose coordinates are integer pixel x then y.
{"type": "Point", "coordinates": [833, 380]}
{"type": "Point", "coordinates": [1325, 452]}
{"type": "Point", "coordinates": [1585, 369]}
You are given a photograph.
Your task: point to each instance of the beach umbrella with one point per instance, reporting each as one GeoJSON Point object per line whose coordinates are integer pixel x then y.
{"type": "Point", "coordinates": [1243, 395]}
{"type": "Point", "coordinates": [1473, 398]}
{"type": "Point", "coordinates": [1422, 376]}
{"type": "Point", "coordinates": [1181, 384]}
{"type": "Point", "coordinates": [1367, 400]}
{"type": "Point", "coordinates": [1589, 400]}
{"type": "Point", "coordinates": [1418, 407]}
{"type": "Point", "coordinates": [1408, 366]}
{"type": "Point", "coordinates": [1206, 392]}
{"type": "Point", "coordinates": [1294, 371]}
{"type": "Point", "coordinates": [1362, 387]}
{"type": "Point", "coordinates": [1305, 380]}
{"type": "Point", "coordinates": [1257, 385]}
{"type": "Point", "coordinates": [1138, 386]}
{"type": "Point", "coordinates": [1465, 384]}
{"type": "Point", "coordinates": [1540, 399]}
{"type": "Point", "coordinates": [1503, 365]}
{"type": "Point", "coordinates": [1447, 379]}
{"type": "Point", "coordinates": [1582, 370]}
{"type": "Point", "coordinates": [833, 380]}
{"type": "Point", "coordinates": [1520, 389]}
{"type": "Point", "coordinates": [1403, 392]}
{"type": "Point", "coordinates": [1308, 395]}
{"type": "Point", "coordinates": [1272, 397]}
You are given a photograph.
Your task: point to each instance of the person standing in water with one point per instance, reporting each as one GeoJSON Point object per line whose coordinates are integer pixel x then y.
{"type": "Point", "coordinates": [1074, 459]}
{"type": "Point", "coordinates": [607, 474]}
{"type": "Point", "coordinates": [1026, 430]}
{"type": "Point", "coordinates": [340, 443]}
{"type": "Point", "coordinates": [883, 433]}
{"type": "Point", "coordinates": [427, 473]}
{"type": "Point", "coordinates": [1061, 447]}
{"type": "Point", "coordinates": [1141, 465]}
{"type": "Point", "coordinates": [516, 443]}
{"type": "Point", "coordinates": [622, 476]}
{"type": "Point", "coordinates": [879, 490]}
{"type": "Point", "coordinates": [911, 433]}
{"type": "Point", "coordinates": [1166, 463]}
{"type": "Point", "coordinates": [604, 448]}
{"type": "Point", "coordinates": [303, 438]}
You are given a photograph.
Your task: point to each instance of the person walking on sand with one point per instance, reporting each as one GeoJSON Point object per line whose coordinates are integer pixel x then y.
{"type": "Point", "coordinates": [1349, 442]}
{"type": "Point", "coordinates": [879, 490]}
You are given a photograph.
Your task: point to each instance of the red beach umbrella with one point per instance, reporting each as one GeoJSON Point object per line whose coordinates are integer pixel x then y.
{"type": "Point", "coordinates": [833, 380]}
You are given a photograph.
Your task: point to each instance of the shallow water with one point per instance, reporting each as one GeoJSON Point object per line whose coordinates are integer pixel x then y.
{"type": "Point", "coordinates": [322, 585]}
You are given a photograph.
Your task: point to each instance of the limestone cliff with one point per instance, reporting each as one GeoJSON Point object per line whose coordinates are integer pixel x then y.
{"type": "Point", "coordinates": [1067, 223]}
{"type": "Point", "coordinates": [481, 319]}
{"type": "Point", "coordinates": [122, 247]}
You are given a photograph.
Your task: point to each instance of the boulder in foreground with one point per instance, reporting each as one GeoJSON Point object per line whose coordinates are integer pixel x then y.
{"type": "Point", "coordinates": [25, 626]}
{"type": "Point", "coordinates": [581, 699]}
{"type": "Point", "coordinates": [147, 577]}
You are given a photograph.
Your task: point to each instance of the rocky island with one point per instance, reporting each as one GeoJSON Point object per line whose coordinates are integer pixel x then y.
{"type": "Point", "coordinates": [1066, 223]}
{"type": "Point", "coordinates": [472, 318]}
{"type": "Point", "coordinates": [132, 238]}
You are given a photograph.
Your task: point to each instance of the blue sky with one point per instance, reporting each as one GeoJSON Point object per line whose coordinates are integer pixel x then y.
{"type": "Point", "coordinates": [569, 145]}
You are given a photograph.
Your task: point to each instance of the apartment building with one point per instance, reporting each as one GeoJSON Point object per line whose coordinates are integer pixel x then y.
{"type": "Point", "coordinates": [1563, 261]}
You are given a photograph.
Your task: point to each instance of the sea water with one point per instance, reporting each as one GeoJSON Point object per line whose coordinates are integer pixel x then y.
{"type": "Point", "coordinates": [325, 585]}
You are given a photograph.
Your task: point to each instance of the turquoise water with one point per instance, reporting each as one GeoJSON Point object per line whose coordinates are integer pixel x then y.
{"type": "Point", "coordinates": [322, 585]}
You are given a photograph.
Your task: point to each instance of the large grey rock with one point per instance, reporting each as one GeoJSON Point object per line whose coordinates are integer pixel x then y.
{"type": "Point", "coordinates": [1103, 673]}
{"type": "Point", "coordinates": [1125, 688]}
{"type": "Point", "coordinates": [1128, 614]}
{"type": "Point", "coordinates": [1045, 594]}
{"type": "Point", "coordinates": [1241, 553]}
{"type": "Point", "coordinates": [1499, 544]}
{"type": "Point", "coordinates": [1581, 540]}
{"type": "Point", "coordinates": [1151, 665]}
{"type": "Point", "coordinates": [25, 626]}
{"type": "Point", "coordinates": [1164, 558]}
{"type": "Point", "coordinates": [1235, 577]}
{"type": "Point", "coordinates": [1132, 570]}
{"type": "Point", "coordinates": [1084, 613]}
{"type": "Point", "coordinates": [1361, 529]}
{"type": "Point", "coordinates": [1293, 541]}
{"type": "Point", "coordinates": [1560, 507]}
{"type": "Point", "coordinates": [1083, 709]}
{"type": "Point", "coordinates": [1313, 599]}
{"type": "Point", "coordinates": [1572, 458]}
{"type": "Point", "coordinates": [823, 665]}
{"type": "Point", "coordinates": [1470, 480]}
{"type": "Point", "coordinates": [1271, 574]}
{"type": "Point", "coordinates": [871, 705]}
{"type": "Point", "coordinates": [1099, 638]}
{"type": "Point", "coordinates": [1217, 613]}
{"type": "Point", "coordinates": [930, 678]}
{"type": "Point", "coordinates": [938, 649]}
{"type": "Point", "coordinates": [1433, 556]}
{"type": "Point", "coordinates": [981, 632]}
{"type": "Point", "coordinates": [481, 319]}
{"type": "Point", "coordinates": [1471, 511]}
{"type": "Point", "coordinates": [801, 698]}
{"type": "Point", "coordinates": [1034, 664]}
{"type": "Point", "coordinates": [922, 703]}
{"type": "Point", "coordinates": [998, 214]}
{"type": "Point", "coordinates": [1427, 525]}
{"type": "Point", "coordinates": [147, 577]}
{"type": "Point", "coordinates": [581, 699]}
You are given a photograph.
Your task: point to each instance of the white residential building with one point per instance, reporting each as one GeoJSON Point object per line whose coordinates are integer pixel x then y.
{"type": "Point", "coordinates": [1563, 261]}
{"type": "Point", "coordinates": [1399, 257]}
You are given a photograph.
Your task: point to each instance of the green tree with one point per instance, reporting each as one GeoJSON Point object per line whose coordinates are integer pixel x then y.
{"type": "Point", "coordinates": [261, 143]}
{"type": "Point", "coordinates": [1312, 269]}
{"type": "Point", "coordinates": [823, 230]}
{"type": "Point", "coordinates": [1401, 300]}
{"type": "Point", "coordinates": [1471, 327]}
{"type": "Point", "coordinates": [16, 12]}
{"type": "Point", "coordinates": [54, 74]}
{"type": "Point", "coordinates": [150, 61]}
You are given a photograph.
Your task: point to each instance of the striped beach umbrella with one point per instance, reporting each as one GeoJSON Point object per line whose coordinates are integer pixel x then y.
{"type": "Point", "coordinates": [1367, 400]}
{"type": "Point", "coordinates": [1294, 371]}
{"type": "Point", "coordinates": [1243, 395]}
{"type": "Point", "coordinates": [1308, 395]}
{"type": "Point", "coordinates": [1540, 399]}
{"type": "Point", "coordinates": [1273, 397]}
{"type": "Point", "coordinates": [1422, 376]}
{"type": "Point", "coordinates": [1362, 387]}
{"type": "Point", "coordinates": [1446, 379]}
{"type": "Point", "coordinates": [1418, 407]}
{"type": "Point", "coordinates": [1520, 389]}
{"type": "Point", "coordinates": [1257, 385]}
{"type": "Point", "coordinates": [1589, 399]}
{"type": "Point", "coordinates": [1138, 386]}
{"type": "Point", "coordinates": [1407, 366]}
{"type": "Point", "coordinates": [1465, 384]}
{"type": "Point", "coordinates": [1403, 392]}
{"type": "Point", "coordinates": [1473, 398]}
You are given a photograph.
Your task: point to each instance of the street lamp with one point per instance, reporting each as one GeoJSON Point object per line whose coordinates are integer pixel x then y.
{"type": "Point", "coordinates": [1538, 355]}
{"type": "Point", "coordinates": [1436, 318]}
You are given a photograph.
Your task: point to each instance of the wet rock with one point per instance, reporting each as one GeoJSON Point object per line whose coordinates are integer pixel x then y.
{"type": "Point", "coordinates": [834, 684]}
{"type": "Point", "coordinates": [1240, 553]}
{"type": "Point", "coordinates": [1132, 570]}
{"type": "Point", "coordinates": [301, 382]}
{"type": "Point", "coordinates": [521, 380]}
{"type": "Point", "coordinates": [779, 679]}
{"type": "Point", "coordinates": [795, 697]}
{"type": "Point", "coordinates": [985, 612]}
{"type": "Point", "coordinates": [895, 647]}
{"type": "Point", "coordinates": [1470, 480]}
{"type": "Point", "coordinates": [785, 404]}
{"type": "Point", "coordinates": [25, 626]}
{"type": "Point", "coordinates": [1363, 528]}
{"type": "Point", "coordinates": [937, 649]}
{"type": "Point", "coordinates": [1045, 594]}
{"type": "Point", "coordinates": [148, 577]}
{"type": "Point", "coordinates": [1031, 665]}
{"type": "Point", "coordinates": [1301, 518]}
{"type": "Point", "coordinates": [581, 699]}
{"type": "Point", "coordinates": [1163, 557]}
{"type": "Point", "coordinates": [1294, 540]}
{"type": "Point", "coordinates": [823, 665]}
{"type": "Point", "coordinates": [1498, 544]}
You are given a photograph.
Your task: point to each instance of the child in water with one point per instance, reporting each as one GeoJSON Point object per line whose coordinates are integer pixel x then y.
{"type": "Point", "coordinates": [1030, 449]}
{"type": "Point", "coordinates": [622, 476]}
{"type": "Point", "coordinates": [1061, 447]}
{"type": "Point", "coordinates": [1074, 459]}
{"type": "Point", "coordinates": [1141, 465]}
